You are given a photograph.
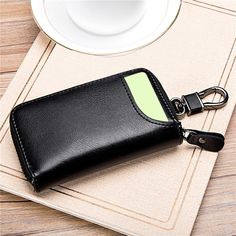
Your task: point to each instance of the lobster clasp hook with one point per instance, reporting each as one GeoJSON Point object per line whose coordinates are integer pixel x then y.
{"type": "Point", "coordinates": [193, 103]}
{"type": "Point", "coordinates": [214, 105]}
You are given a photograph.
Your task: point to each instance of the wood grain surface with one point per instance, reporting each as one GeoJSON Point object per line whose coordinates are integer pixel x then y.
{"type": "Point", "coordinates": [217, 215]}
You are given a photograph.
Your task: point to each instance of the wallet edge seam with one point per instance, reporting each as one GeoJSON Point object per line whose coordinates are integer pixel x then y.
{"type": "Point", "coordinates": [150, 75]}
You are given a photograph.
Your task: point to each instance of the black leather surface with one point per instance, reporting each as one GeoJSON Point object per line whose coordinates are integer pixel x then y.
{"type": "Point", "coordinates": [193, 103]}
{"type": "Point", "coordinates": [61, 134]}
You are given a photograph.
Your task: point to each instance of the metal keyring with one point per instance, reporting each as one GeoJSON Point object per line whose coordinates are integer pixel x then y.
{"type": "Point", "coordinates": [179, 107]}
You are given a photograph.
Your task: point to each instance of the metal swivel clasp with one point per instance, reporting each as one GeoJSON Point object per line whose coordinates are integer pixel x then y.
{"type": "Point", "coordinates": [193, 103]}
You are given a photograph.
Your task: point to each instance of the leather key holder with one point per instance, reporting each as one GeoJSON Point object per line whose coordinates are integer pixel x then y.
{"type": "Point", "coordinates": [65, 133]}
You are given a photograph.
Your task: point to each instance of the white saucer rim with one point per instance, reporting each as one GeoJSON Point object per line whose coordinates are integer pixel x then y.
{"type": "Point", "coordinates": [110, 53]}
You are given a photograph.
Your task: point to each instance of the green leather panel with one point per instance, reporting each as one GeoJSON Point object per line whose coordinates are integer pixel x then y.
{"type": "Point", "coordinates": [145, 96]}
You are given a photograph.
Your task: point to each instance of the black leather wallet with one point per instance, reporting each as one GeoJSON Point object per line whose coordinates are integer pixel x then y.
{"type": "Point", "coordinates": [63, 133]}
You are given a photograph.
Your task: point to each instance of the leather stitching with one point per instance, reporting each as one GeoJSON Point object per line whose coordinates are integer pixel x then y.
{"type": "Point", "coordinates": [163, 99]}
{"type": "Point", "coordinates": [79, 86]}
{"type": "Point", "coordinates": [22, 148]}
{"type": "Point", "coordinates": [139, 113]}
{"type": "Point", "coordinates": [34, 178]}
{"type": "Point", "coordinates": [35, 100]}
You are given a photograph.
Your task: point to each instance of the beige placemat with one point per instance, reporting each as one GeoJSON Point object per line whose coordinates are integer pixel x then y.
{"type": "Point", "coordinates": [156, 194]}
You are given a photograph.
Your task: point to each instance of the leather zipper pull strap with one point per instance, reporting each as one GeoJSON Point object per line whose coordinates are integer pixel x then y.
{"type": "Point", "coordinates": [210, 141]}
{"type": "Point", "coordinates": [193, 103]}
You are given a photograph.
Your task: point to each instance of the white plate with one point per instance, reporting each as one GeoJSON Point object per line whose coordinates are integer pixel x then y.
{"type": "Point", "coordinates": [104, 27]}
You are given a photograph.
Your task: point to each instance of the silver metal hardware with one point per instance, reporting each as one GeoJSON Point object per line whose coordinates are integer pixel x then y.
{"type": "Point", "coordinates": [214, 105]}
{"type": "Point", "coordinates": [193, 103]}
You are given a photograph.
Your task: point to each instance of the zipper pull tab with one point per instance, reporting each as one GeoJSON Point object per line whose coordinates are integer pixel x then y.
{"type": "Point", "coordinates": [193, 103]}
{"type": "Point", "coordinates": [210, 141]}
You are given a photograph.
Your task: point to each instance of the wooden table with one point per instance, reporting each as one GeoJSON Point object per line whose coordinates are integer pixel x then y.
{"type": "Point", "coordinates": [217, 215]}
